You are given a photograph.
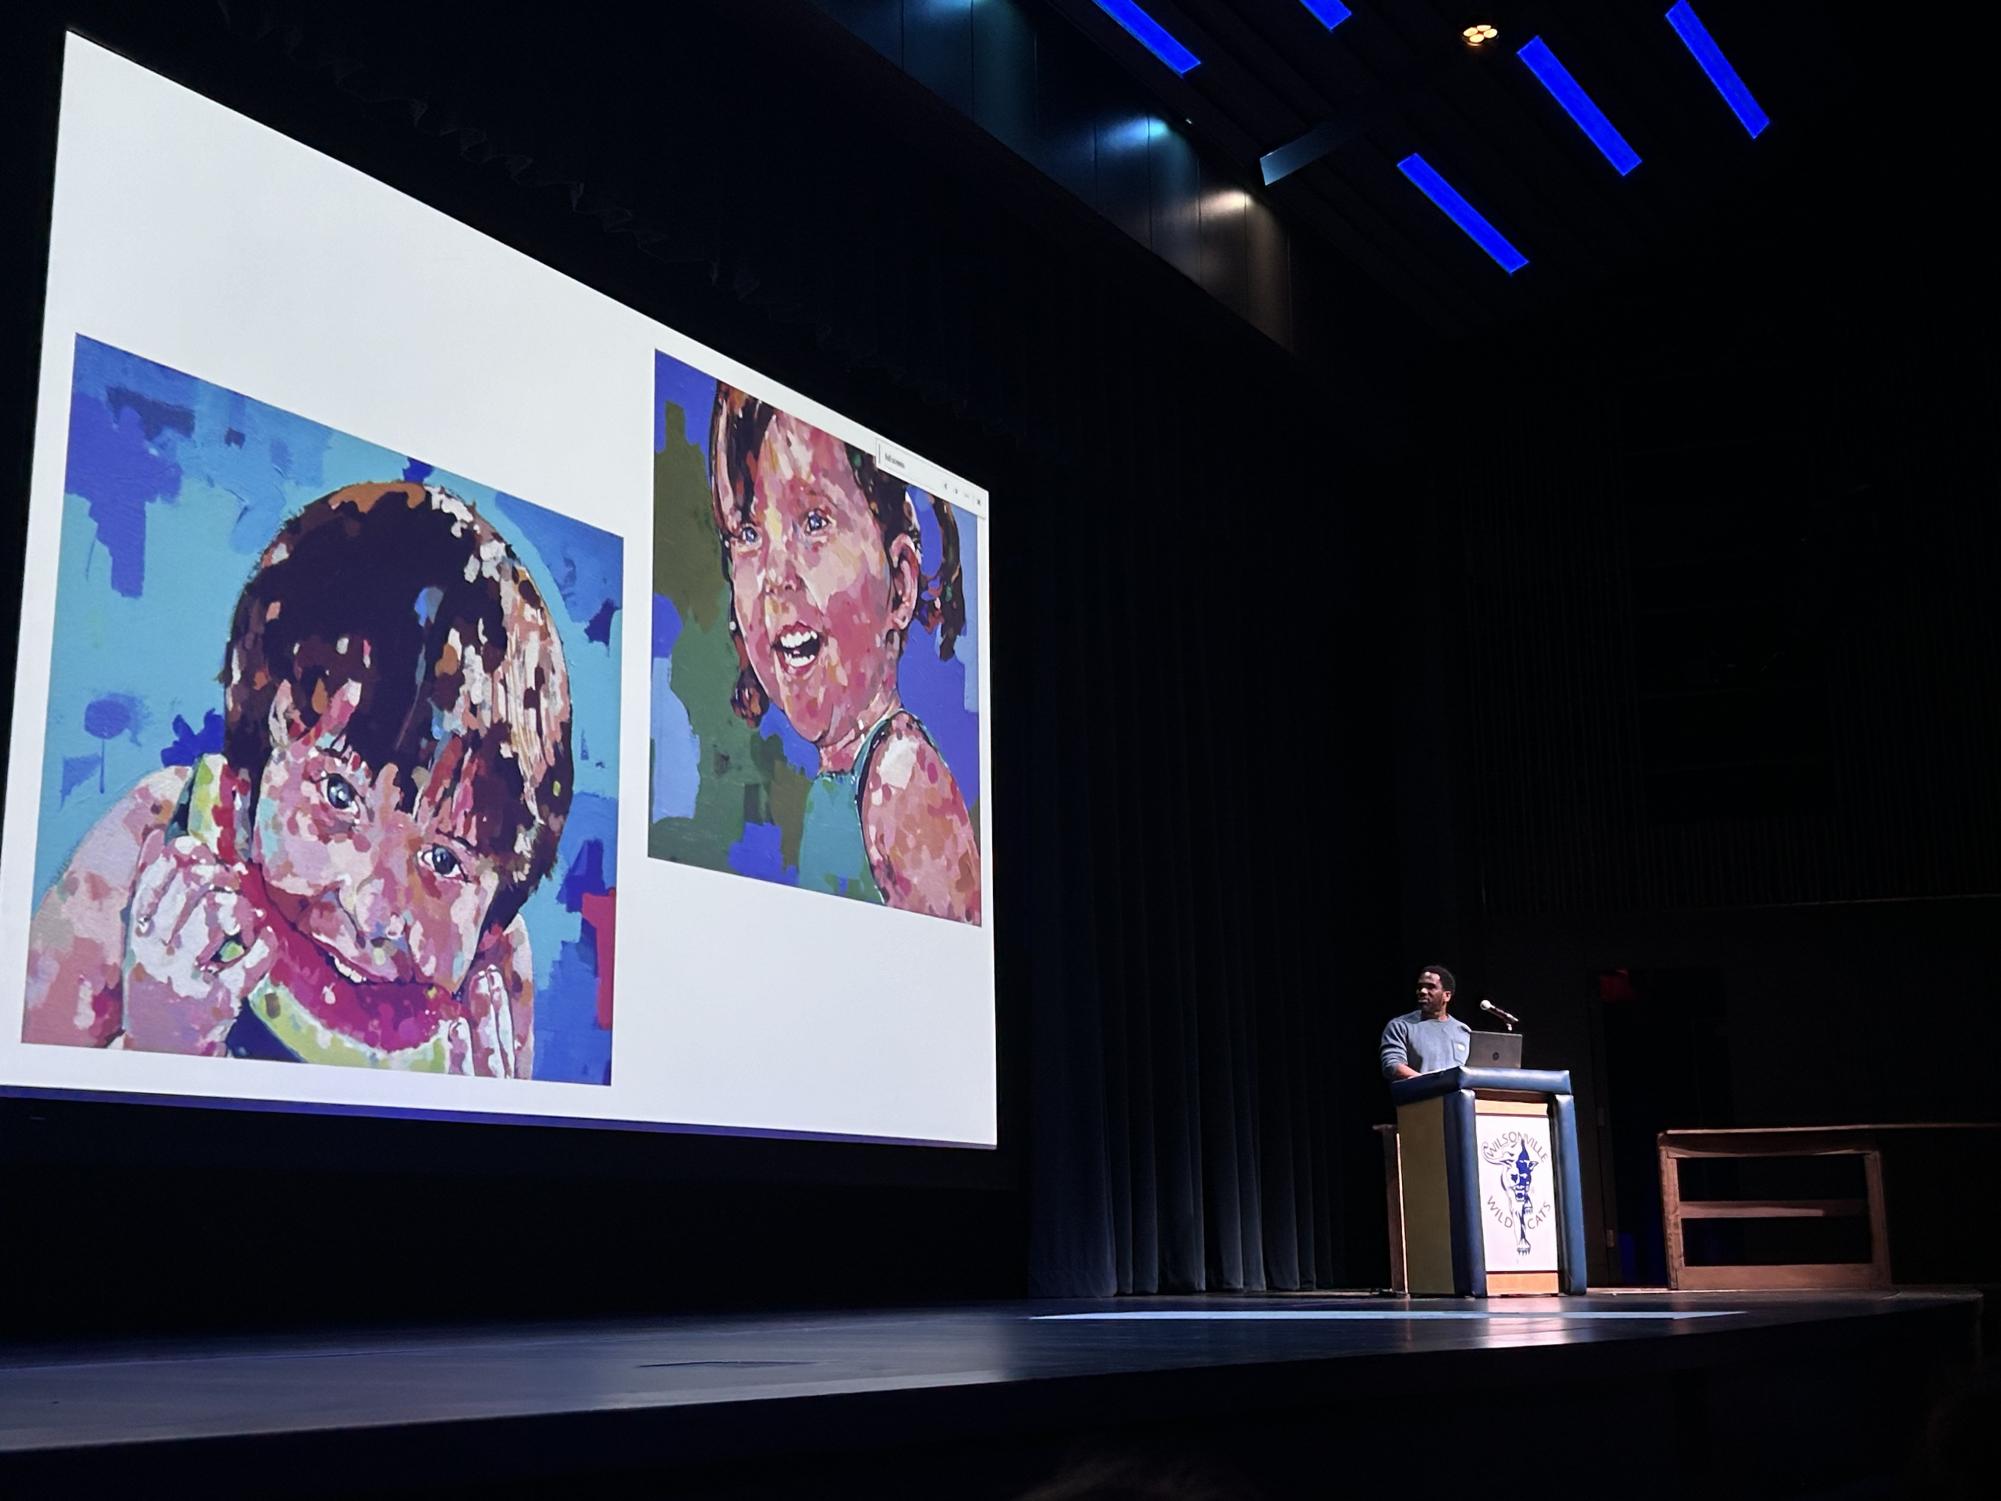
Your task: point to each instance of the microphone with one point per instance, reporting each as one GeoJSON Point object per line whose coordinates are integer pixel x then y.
{"type": "Point", "coordinates": [1492, 1010]}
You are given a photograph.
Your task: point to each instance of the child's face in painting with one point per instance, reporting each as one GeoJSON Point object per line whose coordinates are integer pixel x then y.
{"type": "Point", "coordinates": [820, 601]}
{"type": "Point", "coordinates": [385, 879]}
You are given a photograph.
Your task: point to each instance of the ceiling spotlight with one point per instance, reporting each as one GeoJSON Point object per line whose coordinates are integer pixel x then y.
{"type": "Point", "coordinates": [1479, 36]}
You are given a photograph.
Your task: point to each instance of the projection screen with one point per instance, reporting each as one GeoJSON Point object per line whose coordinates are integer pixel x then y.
{"type": "Point", "coordinates": [443, 690]}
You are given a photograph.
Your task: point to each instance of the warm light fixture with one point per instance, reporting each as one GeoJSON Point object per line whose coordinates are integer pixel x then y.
{"type": "Point", "coordinates": [1479, 36]}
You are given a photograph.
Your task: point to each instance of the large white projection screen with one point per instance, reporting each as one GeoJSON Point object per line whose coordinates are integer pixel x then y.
{"type": "Point", "coordinates": [443, 690]}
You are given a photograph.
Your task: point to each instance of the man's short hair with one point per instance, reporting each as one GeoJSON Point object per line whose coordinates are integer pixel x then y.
{"type": "Point", "coordinates": [1445, 981]}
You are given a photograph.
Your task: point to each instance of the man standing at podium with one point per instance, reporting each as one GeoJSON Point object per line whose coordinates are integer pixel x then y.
{"type": "Point", "coordinates": [1426, 1040]}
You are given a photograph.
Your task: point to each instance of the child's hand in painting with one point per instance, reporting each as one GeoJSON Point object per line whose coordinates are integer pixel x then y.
{"type": "Point", "coordinates": [482, 1041]}
{"type": "Point", "coordinates": [195, 947]}
{"type": "Point", "coordinates": [495, 1037]}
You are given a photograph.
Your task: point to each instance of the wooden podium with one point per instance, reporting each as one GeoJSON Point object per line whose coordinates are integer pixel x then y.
{"type": "Point", "coordinates": [1490, 1197]}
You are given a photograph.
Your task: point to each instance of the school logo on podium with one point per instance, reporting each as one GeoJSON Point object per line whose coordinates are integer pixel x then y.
{"type": "Point", "coordinates": [1520, 1202]}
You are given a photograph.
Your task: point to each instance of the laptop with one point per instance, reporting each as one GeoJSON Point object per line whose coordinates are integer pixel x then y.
{"type": "Point", "coordinates": [1495, 1050]}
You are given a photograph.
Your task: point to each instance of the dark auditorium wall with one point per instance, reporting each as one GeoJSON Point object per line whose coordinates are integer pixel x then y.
{"type": "Point", "coordinates": [1722, 666]}
{"type": "Point", "coordinates": [1192, 680]}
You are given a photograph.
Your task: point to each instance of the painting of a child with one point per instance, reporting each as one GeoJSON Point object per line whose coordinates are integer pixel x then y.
{"type": "Point", "coordinates": [826, 588]}
{"type": "Point", "coordinates": [340, 876]}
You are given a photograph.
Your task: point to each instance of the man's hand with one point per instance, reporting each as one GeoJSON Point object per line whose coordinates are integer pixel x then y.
{"type": "Point", "coordinates": [195, 947]}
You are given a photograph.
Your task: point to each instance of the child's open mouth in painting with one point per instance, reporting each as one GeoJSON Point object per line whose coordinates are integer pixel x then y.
{"type": "Point", "coordinates": [345, 970]}
{"type": "Point", "coordinates": [797, 648]}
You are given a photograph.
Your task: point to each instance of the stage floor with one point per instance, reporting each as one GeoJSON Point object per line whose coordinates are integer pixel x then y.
{"type": "Point", "coordinates": [497, 1406]}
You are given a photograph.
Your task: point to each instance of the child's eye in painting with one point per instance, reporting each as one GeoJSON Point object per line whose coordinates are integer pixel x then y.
{"type": "Point", "coordinates": [747, 535]}
{"type": "Point", "coordinates": [340, 793]}
{"type": "Point", "coordinates": [818, 521]}
{"type": "Point", "coordinates": [441, 861]}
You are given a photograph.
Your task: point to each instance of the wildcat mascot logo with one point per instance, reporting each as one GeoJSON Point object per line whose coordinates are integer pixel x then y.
{"type": "Point", "coordinates": [1518, 1205]}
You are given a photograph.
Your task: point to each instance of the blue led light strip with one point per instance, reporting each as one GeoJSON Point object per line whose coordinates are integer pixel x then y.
{"type": "Point", "coordinates": [1329, 13]}
{"type": "Point", "coordinates": [1150, 34]}
{"type": "Point", "coordinates": [1462, 213]}
{"type": "Point", "coordinates": [1695, 36]}
{"type": "Point", "coordinates": [1578, 105]}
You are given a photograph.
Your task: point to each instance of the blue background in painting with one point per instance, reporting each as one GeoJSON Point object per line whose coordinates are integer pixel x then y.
{"type": "Point", "coordinates": [174, 487]}
{"type": "Point", "coordinates": [945, 695]}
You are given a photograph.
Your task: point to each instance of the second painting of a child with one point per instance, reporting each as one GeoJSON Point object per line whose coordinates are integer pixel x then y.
{"type": "Point", "coordinates": [815, 710]}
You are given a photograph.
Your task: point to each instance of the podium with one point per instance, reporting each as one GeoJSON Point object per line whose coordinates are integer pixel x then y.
{"type": "Point", "coordinates": [1492, 1202]}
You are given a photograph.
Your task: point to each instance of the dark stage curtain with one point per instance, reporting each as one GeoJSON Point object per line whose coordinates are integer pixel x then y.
{"type": "Point", "coordinates": [1186, 850]}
